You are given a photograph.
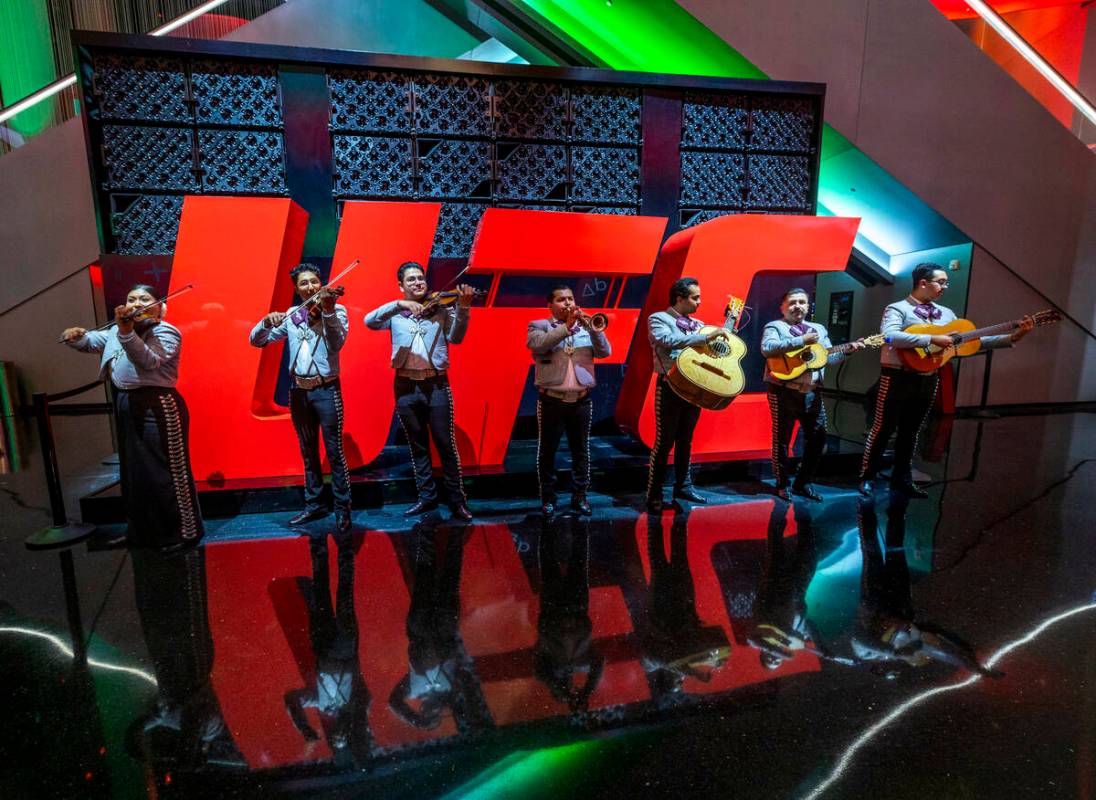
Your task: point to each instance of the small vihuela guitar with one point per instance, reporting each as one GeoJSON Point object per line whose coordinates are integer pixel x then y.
{"type": "Point", "coordinates": [966, 339]}
{"type": "Point", "coordinates": [794, 363]}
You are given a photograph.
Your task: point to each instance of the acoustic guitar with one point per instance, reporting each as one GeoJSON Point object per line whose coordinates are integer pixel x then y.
{"type": "Point", "coordinates": [966, 339]}
{"type": "Point", "coordinates": [794, 363]}
{"type": "Point", "coordinates": [710, 375]}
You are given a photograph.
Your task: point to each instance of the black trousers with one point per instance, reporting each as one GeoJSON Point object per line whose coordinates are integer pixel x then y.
{"type": "Point", "coordinates": [425, 410]}
{"type": "Point", "coordinates": [788, 406]}
{"type": "Point", "coordinates": [901, 407]}
{"type": "Point", "coordinates": [154, 466]}
{"type": "Point", "coordinates": [554, 416]}
{"type": "Point", "coordinates": [675, 421]}
{"type": "Point", "coordinates": [318, 413]}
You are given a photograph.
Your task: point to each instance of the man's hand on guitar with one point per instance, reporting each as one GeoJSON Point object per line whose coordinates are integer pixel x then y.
{"type": "Point", "coordinates": [719, 334]}
{"type": "Point", "coordinates": [857, 345]}
{"type": "Point", "coordinates": [1026, 326]}
{"type": "Point", "coordinates": [810, 337]}
{"type": "Point", "coordinates": [942, 341]}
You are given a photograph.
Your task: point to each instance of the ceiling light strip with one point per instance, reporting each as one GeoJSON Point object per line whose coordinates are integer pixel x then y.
{"type": "Point", "coordinates": [1029, 54]}
{"type": "Point", "coordinates": [63, 83]}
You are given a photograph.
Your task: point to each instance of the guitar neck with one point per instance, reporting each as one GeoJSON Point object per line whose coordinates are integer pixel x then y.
{"type": "Point", "coordinates": [729, 321]}
{"type": "Point", "coordinates": [992, 330]}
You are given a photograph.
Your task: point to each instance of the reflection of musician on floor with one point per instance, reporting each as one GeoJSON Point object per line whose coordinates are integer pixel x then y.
{"type": "Point", "coordinates": [781, 627]}
{"type": "Point", "coordinates": [564, 648]}
{"type": "Point", "coordinates": [887, 635]}
{"type": "Point", "coordinates": [442, 677]}
{"type": "Point", "coordinates": [186, 728]}
{"type": "Point", "coordinates": [339, 693]}
{"type": "Point", "coordinates": [676, 644]}
{"type": "Point", "coordinates": [669, 332]}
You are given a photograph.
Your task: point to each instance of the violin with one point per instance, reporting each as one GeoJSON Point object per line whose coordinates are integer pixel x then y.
{"type": "Point", "coordinates": [311, 309]}
{"type": "Point", "coordinates": [435, 300]}
{"type": "Point", "coordinates": [136, 314]}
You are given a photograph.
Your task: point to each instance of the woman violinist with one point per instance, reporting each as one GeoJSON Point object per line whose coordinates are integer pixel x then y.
{"type": "Point", "coordinates": [140, 356]}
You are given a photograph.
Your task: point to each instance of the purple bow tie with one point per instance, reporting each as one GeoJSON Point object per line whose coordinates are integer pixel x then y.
{"type": "Point", "coordinates": [299, 315]}
{"type": "Point", "coordinates": [687, 325]}
{"type": "Point", "coordinates": [572, 330]}
{"type": "Point", "coordinates": [800, 329]}
{"type": "Point", "coordinates": [927, 311]}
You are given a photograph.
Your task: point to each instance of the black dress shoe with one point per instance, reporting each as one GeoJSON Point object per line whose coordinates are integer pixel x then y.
{"type": "Point", "coordinates": [782, 493]}
{"type": "Point", "coordinates": [460, 511]}
{"type": "Point", "coordinates": [687, 492]}
{"type": "Point", "coordinates": [580, 504]}
{"type": "Point", "coordinates": [342, 521]}
{"type": "Point", "coordinates": [808, 491]}
{"type": "Point", "coordinates": [909, 488]}
{"type": "Point", "coordinates": [548, 508]}
{"type": "Point", "coordinates": [654, 505]}
{"type": "Point", "coordinates": [421, 507]}
{"type": "Point", "coordinates": [866, 488]}
{"type": "Point", "coordinates": [181, 547]}
{"type": "Point", "coordinates": [309, 515]}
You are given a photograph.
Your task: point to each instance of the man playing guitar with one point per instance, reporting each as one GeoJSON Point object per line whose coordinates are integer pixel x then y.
{"type": "Point", "coordinates": [799, 399]}
{"type": "Point", "coordinates": [669, 332]}
{"type": "Point", "coordinates": [905, 396]}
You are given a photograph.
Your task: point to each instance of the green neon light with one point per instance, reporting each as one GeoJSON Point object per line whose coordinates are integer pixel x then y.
{"type": "Point", "coordinates": [535, 774]}
{"type": "Point", "coordinates": [26, 61]}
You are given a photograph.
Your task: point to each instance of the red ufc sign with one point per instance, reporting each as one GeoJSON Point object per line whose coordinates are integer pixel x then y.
{"type": "Point", "coordinates": [237, 252]}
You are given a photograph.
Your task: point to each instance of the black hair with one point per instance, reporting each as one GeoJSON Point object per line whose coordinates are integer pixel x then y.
{"type": "Point", "coordinates": [923, 272]}
{"type": "Point", "coordinates": [144, 287]}
{"type": "Point", "coordinates": [796, 290]}
{"type": "Point", "coordinates": [556, 287]}
{"type": "Point", "coordinates": [406, 265]}
{"type": "Point", "coordinates": [681, 288]}
{"type": "Point", "coordinates": [295, 273]}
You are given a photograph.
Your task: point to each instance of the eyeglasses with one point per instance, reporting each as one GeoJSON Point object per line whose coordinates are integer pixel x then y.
{"type": "Point", "coordinates": [941, 284]}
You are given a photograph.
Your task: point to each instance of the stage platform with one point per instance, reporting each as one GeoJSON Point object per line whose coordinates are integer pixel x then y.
{"type": "Point", "coordinates": [619, 463]}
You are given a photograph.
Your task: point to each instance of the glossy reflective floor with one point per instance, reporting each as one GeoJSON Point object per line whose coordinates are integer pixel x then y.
{"type": "Point", "coordinates": [940, 648]}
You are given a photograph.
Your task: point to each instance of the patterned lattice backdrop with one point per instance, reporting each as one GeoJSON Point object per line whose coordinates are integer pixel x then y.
{"type": "Point", "coordinates": [167, 125]}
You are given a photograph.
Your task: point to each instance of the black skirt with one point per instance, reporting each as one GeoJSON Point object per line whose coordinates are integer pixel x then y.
{"type": "Point", "coordinates": [154, 455]}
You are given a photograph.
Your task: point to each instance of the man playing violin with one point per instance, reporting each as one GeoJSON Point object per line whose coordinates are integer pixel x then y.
{"type": "Point", "coordinates": [670, 332]}
{"type": "Point", "coordinates": [564, 348]}
{"type": "Point", "coordinates": [316, 331]}
{"type": "Point", "coordinates": [905, 396]}
{"type": "Point", "coordinates": [422, 331]}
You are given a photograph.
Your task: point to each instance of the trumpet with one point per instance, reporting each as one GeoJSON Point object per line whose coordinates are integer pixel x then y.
{"type": "Point", "coordinates": [598, 322]}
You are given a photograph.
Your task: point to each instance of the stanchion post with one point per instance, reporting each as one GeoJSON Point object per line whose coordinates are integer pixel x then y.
{"type": "Point", "coordinates": [61, 533]}
{"type": "Point", "coordinates": [983, 412]}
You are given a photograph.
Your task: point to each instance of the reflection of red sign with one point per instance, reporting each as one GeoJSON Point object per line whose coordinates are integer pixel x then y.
{"type": "Point", "coordinates": [237, 251]}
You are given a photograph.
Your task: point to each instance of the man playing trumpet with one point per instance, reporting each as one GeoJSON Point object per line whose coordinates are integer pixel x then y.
{"type": "Point", "coordinates": [564, 347]}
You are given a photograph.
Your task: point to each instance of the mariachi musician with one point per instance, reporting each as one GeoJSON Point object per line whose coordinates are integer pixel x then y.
{"type": "Point", "coordinates": [422, 329]}
{"type": "Point", "coordinates": [316, 331]}
{"type": "Point", "coordinates": [564, 347]}
{"type": "Point", "coordinates": [799, 399]}
{"type": "Point", "coordinates": [141, 359]}
{"type": "Point", "coordinates": [670, 332]}
{"type": "Point", "coordinates": [905, 396]}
